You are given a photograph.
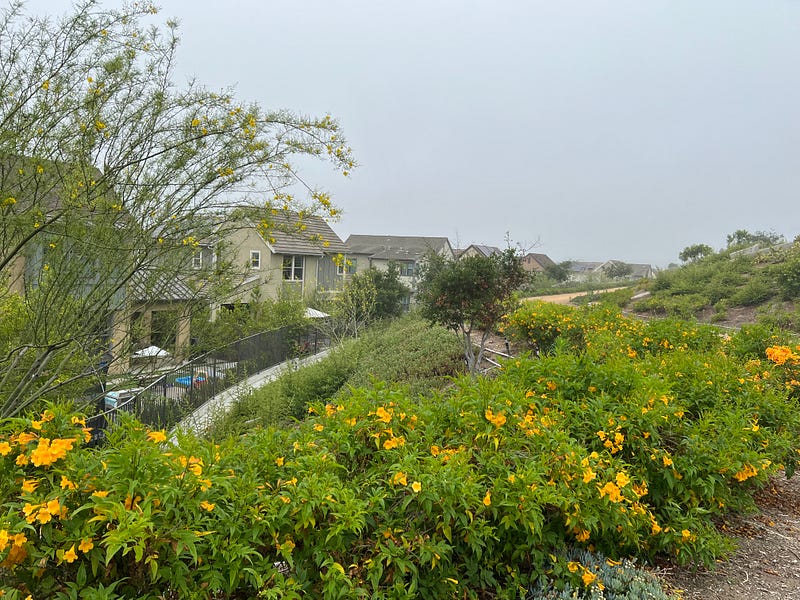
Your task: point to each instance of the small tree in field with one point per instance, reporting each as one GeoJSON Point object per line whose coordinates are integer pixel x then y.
{"type": "Point", "coordinates": [470, 295]}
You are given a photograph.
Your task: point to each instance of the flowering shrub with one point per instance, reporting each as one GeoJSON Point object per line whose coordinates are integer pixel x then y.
{"type": "Point", "coordinates": [617, 447]}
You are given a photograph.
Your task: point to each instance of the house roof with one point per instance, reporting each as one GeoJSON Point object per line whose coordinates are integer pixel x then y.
{"type": "Point", "coordinates": [308, 235]}
{"type": "Point", "coordinates": [484, 250]}
{"type": "Point", "coordinates": [584, 267]}
{"type": "Point", "coordinates": [148, 286]}
{"type": "Point", "coordinates": [544, 260]}
{"type": "Point", "coordinates": [396, 247]}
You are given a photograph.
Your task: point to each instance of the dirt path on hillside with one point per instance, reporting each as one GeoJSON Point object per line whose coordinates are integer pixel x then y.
{"type": "Point", "coordinates": [566, 298]}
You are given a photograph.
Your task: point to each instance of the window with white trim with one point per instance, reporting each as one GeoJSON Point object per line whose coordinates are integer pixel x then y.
{"type": "Point", "coordinates": [255, 259]}
{"type": "Point", "coordinates": [293, 267]}
{"type": "Point", "coordinates": [197, 260]}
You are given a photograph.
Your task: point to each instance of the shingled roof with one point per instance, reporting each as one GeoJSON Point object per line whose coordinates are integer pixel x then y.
{"type": "Point", "coordinates": [396, 247]}
{"type": "Point", "coordinates": [307, 235]}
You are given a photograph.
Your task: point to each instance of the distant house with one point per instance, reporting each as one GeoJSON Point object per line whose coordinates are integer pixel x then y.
{"type": "Point", "coordinates": [536, 263]}
{"type": "Point", "coordinates": [584, 271]}
{"type": "Point", "coordinates": [479, 250]}
{"type": "Point", "coordinates": [598, 271]}
{"type": "Point", "coordinates": [408, 252]}
{"type": "Point", "coordinates": [299, 254]}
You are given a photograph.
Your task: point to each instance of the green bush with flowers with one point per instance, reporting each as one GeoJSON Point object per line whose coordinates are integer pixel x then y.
{"type": "Point", "coordinates": [626, 444]}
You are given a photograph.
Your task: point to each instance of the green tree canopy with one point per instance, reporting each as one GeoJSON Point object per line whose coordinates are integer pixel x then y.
{"type": "Point", "coordinates": [742, 237]}
{"type": "Point", "coordinates": [617, 269]}
{"type": "Point", "coordinates": [470, 295]}
{"type": "Point", "coordinates": [695, 252]}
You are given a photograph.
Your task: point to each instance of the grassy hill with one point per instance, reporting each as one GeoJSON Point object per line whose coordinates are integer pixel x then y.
{"type": "Point", "coordinates": [730, 287]}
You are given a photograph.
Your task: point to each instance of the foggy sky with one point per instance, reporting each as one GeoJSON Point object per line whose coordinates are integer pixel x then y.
{"type": "Point", "coordinates": [586, 130]}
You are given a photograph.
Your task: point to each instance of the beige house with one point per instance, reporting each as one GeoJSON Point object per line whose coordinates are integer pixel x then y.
{"type": "Point", "coordinates": [301, 256]}
{"type": "Point", "coordinates": [479, 250]}
{"type": "Point", "coordinates": [536, 263]}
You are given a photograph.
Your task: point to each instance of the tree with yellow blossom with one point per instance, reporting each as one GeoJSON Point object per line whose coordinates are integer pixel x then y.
{"type": "Point", "coordinates": [112, 178]}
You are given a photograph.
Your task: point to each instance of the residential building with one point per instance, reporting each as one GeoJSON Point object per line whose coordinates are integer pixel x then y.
{"type": "Point", "coordinates": [536, 263]}
{"type": "Point", "coordinates": [479, 250]}
{"type": "Point", "coordinates": [598, 271]}
{"type": "Point", "coordinates": [408, 252]}
{"type": "Point", "coordinates": [301, 255]}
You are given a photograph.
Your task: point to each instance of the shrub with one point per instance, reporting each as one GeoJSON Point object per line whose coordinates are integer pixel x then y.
{"type": "Point", "coordinates": [614, 447]}
{"type": "Point", "coordinates": [619, 580]}
{"type": "Point", "coordinates": [406, 350]}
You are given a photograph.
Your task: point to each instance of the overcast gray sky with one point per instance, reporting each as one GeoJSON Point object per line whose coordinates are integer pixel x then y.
{"type": "Point", "coordinates": [623, 129]}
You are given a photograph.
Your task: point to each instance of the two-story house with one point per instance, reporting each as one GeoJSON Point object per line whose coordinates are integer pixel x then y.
{"type": "Point", "coordinates": [302, 255]}
{"type": "Point", "coordinates": [407, 252]}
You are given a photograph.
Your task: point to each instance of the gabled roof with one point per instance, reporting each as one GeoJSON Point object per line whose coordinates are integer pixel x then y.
{"type": "Point", "coordinates": [544, 260]}
{"type": "Point", "coordinates": [309, 235]}
{"type": "Point", "coordinates": [584, 267]}
{"type": "Point", "coordinates": [396, 247]}
{"type": "Point", "coordinates": [484, 250]}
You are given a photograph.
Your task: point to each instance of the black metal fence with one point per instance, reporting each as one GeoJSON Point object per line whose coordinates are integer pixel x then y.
{"type": "Point", "coordinates": [162, 400]}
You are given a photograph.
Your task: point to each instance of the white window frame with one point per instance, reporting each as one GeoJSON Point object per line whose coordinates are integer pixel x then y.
{"type": "Point", "coordinates": [255, 254]}
{"type": "Point", "coordinates": [197, 260]}
{"type": "Point", "coordinates": [291, 264]}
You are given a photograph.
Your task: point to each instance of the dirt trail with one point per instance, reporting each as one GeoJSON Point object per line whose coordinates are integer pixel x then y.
{"type": "Point", "coordinates": [566, 298]}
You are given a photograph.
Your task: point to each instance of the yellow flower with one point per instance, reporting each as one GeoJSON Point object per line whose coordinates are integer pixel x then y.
{"type": "Point", "coordinates": [588, 578]}
{"type": "Point", "coordinates": [383, 415]}
{"type": "Point", "coordinates": [157, 436]}
{"type": "Point", "coordinates": [400, 478]}
{"type": "Point", "coordinates": [67, 484]}
{"type": "Point", "coordinates": [86, 545]}
{"type": "Point", "coordinates": [497, 419]}
{"type": "Point", "coordinates": [573, 566]}
{"type": "Point", "coordinates": [487, 499]}
{"type": "Point", "coordinates": [5, 448]}
{"type": "Point", "coordinates": [279, 461]}
{"type": "Point", "coordinates": [622, 479]}
{"type": "Point", "coordinates": [78, 421]}
{"type": "Point", "coordinates": [747, 472]}
{"type": "Point", "coordinates": [29, 485]}
{"type": "Point", "coordinates": [416, 486]}
{"type": "Point", "coordinates": [582, 535]}
{"type": "Point", "coordinates": [319, 427]}
{"type": "Point", "coordinates": [209, 506]}
{"type": "Point", "coordinates": [611, 490]}
{"type": "Point", "coordinates": [70, 555]}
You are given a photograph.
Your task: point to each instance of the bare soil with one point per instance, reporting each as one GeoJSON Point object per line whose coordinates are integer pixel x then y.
{"type": "Point", "coordinates": [766, 564]}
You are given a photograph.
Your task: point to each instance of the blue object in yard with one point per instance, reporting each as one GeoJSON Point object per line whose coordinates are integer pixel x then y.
{"type": "Point", "coordinates": [186, 380]}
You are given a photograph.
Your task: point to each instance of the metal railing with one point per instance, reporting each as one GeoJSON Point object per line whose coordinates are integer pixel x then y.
{"type": "Point", "coordinates": [164, 401]}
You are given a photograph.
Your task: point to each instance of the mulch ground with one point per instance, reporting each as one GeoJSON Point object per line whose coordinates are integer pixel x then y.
{"type": "Point", "coordinates": [766, 564]}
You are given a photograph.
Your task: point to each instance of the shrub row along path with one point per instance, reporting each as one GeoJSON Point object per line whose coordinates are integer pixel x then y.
{"type": "Point", "coordinates": [766, 563]}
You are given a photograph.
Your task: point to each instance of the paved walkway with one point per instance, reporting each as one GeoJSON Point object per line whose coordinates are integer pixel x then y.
{"type": "Point", "coordinates": [200, 420]}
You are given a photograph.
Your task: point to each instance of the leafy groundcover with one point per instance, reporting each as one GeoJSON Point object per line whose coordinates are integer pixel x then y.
{"type": "Point", "coordinates": [621, 439]}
